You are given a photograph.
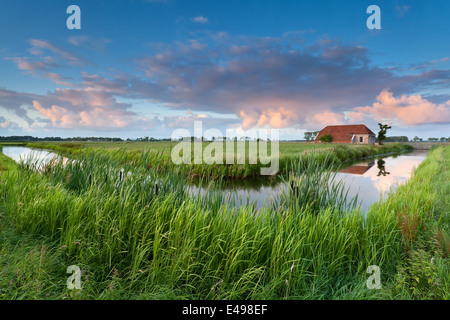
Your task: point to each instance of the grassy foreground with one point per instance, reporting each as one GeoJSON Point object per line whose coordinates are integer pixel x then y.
{"type": "Point", "coordinates": [133, 240]}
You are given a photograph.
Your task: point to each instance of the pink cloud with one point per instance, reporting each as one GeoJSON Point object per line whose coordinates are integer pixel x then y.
{"type": "Point", "coordinates": [266, 82]}
{"type": "Point", "coordinates": [6, 124]}
{"type": "Point", "coordinates": [33, 65]}
{"type": "Point", "coordinates": [326, 118]}
{"type": "Point", "coordinates": [59, 79]}
{"type": "Point", "coordinates": [60, 117]}
{"type": "Point", "coordinates": [96, 117]}
{"type": "Point", "coordinates": [89, 108]}
{"type": "Point", "coordinates": [406, 110]}
{"type": "Point", "coordinates": [273, 112]}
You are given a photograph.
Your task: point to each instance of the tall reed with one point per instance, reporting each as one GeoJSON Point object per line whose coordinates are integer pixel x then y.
{"type": "Point", "coordinates": [201, 246]}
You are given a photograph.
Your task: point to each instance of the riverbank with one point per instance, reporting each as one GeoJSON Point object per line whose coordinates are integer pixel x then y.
{"type": "Point", "coordinates": [423, 145]}
{"type": "Point", "coordinates": [157, 155]}
{"type": "Point", "coordinates": [148, 244]}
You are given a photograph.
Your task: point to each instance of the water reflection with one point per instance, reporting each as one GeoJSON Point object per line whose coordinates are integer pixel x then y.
{"type": "Point", "coordinates": [358, 168]}
{"type": "Point", "coordinates": [387, 175]}
{"type": "Point", "coordinates": [381, 168]}
{"type": "Point", "coordinates": [369, 181]}
{"type": "Point", "coordinates": [38, 158]}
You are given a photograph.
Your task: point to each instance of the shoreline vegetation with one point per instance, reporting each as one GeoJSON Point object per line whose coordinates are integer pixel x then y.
{"type": "Point", "coordinates": [142, 236]}
{"type": "Point", "coordinates": [157, 156]}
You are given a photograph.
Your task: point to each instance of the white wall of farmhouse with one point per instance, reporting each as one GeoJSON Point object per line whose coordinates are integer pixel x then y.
{"type": "Point", "coordinates": [363, 139]}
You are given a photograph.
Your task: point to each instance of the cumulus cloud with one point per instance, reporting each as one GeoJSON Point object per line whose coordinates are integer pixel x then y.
{"type": "Point", "coordinates": [17, 103]}
{"type": "Point", "coordinates": [6, 124]}
{"type": "Point", "coordinates": [87, 107]}
{"type": "Point", "coordinates": [405, 110]}
{"type": "Point", "coordinates": [60, 117]}
{"type": "Point", "coordinates": [186, 121]}
{"type": "Point", "coordinates": [272, 81]}
{"type": "Point", "coordinates": [279, 82]}
{"type": "Point", "coordinates": [200, 19]}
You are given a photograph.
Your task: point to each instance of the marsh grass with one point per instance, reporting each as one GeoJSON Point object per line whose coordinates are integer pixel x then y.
{"type": "Point", "coordinates": [312, 184]}
{"type": "Point", "coordinates": [132, 239]}
{"type": "Point", "coordinates": [203, 247]}
{"type": "Point", "coordinates": [289, 155]}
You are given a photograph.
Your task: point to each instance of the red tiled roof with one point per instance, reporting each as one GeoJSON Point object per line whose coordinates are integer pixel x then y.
{"type": "Point", "coordinates": [344, 133]}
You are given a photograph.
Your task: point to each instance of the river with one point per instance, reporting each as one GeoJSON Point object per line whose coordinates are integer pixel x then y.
{"type": "Point", "coordinates": [371, 179]}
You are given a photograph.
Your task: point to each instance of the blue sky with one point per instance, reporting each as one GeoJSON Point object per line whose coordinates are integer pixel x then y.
{"type": "Point", "coordinates": [145, 68]}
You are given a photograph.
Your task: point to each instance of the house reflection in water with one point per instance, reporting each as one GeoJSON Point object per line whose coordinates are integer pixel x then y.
{"type": "Point", "coordinates": [359, 168]}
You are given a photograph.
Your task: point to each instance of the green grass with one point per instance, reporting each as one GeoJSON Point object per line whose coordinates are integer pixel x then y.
{"type": "Point", "coordinates": [133, 240]}
{"type": "Point", "coordinates": [289, 152]}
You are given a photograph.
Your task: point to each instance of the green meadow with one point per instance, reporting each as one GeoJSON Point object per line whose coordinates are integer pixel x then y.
{"type": "Point", "coordinates": [143, 236]}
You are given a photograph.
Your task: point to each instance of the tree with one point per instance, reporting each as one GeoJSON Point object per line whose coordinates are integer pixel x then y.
{"type": "Point", "coordinates": [416, 138]}
{"type": "Point", "coordinates": [326, 138]}
{"type": "Point", "coordinates": [382, 133]}
{"type": "Point", "coordinates": [309, 136]}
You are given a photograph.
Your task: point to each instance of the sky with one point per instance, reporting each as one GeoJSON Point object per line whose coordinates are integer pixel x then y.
{"type": "Point", "coordinates": [141, 68]}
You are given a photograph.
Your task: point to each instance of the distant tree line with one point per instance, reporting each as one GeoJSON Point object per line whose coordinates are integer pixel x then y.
{"type": "Point", "coordinates": [309, 136]}
{"type": "Point", "coordinates": [397, 139]}
{"type": "Point", "coordinates": [441, 139]}
{"type": "Point", "coordinates": [30, 138]}
{"type": "Point", "coordinates": [150, 139]}
{"type": "Point", "coordinates": [416, 139]}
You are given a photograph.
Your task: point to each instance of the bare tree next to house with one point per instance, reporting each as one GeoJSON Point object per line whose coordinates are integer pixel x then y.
{"type": "Point", "coordinates": [382, 132]}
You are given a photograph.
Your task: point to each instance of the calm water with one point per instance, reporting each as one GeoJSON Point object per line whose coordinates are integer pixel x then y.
{"type": "Point", "coordinates": [371, 179]}
{"type": "Point", "coordinates": [40, 157]}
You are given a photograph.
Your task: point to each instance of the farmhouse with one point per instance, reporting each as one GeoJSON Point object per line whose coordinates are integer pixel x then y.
{"type": "Point", "coordinates": [356, 134]}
